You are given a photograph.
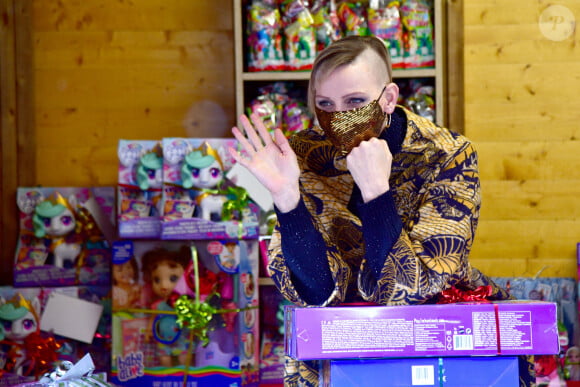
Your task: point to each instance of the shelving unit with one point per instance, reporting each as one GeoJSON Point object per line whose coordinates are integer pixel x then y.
{"type": "Point", "coordinates": [246, 82]}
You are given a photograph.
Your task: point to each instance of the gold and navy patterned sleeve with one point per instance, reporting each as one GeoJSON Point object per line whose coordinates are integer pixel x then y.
{"type": "Point", "coordinates": [431, 253]}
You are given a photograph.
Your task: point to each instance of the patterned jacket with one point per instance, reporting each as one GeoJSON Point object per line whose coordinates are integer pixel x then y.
{"type": "Point", "coordinates": [435, 186]}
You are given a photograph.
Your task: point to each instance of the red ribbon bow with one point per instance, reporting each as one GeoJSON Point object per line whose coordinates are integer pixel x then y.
{"type": "Point", "coordinates": [453, 295]}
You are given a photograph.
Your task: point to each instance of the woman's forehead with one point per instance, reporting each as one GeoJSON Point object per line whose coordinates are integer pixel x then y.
{"type": "Point", "coordinates": [364, 74]}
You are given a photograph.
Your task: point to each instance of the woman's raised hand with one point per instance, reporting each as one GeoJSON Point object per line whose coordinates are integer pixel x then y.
{"type": "Point", "coordinates": [271, 160]}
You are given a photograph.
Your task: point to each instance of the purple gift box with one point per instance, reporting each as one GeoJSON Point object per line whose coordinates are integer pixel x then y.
{"type": "Point", "coordinates": [462, 329]}
{"type": "Point", "coordinates": [496, 371]}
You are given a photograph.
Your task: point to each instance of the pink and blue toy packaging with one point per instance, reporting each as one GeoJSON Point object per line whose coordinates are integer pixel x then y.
{"type": "Point", "coordinates": [463, 329]}
{"type": "Point", "coordinates": [185, 311]}
{"type": "Point", "coordinates": [42, 326]}
{"type": "Point", "coordinates": [139, 191]}
{"type": "Point", "coordinates": [199, 201]}
{"type": "Point", "coordinates": [64, 236]}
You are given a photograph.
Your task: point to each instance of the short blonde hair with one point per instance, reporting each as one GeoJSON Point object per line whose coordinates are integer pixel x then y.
{"type": "Point", "coordinates": [343, 52]}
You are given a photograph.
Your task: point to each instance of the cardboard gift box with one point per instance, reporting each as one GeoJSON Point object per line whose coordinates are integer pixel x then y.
{"type": "Point", "coordinates": [201, 198]}
{"type": "Point", "coordinates": [497, 371]}
{"type": "Point", "coordinates": [462, 329]}
{"type": "Point", "coordinates": [149, 345]}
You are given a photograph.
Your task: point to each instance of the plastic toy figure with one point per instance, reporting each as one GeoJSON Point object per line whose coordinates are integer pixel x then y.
{"type": "Point", "coordinates": [55, 219]}
{"type": "Point", "coordinates": [162, 269]}
{"type": "Point", "coordinates": [149, 171]}
{"type": "Point", "coordinates": [204, 170]}
{"type": "Point", "coordinates": [19, 319]}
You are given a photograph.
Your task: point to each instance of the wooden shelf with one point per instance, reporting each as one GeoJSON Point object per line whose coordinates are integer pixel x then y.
{"type": "Point", "coordinates": [305, 75]}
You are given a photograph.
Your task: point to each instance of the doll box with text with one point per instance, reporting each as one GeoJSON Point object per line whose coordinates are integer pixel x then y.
{"type": "Point", "coordinates": [199, 201]}
{"type": "Point", "coordinates": [64, 236]}
{"type": "Point", "coordinates": [492, 371]}
{"type": "Point", "coordinates": [140, 181]}
{"type": "Point", "coordinates": [75, 318]}
{"type": "Point", "coordinates": [149, 348]}
{"type": "Point", "coordinates": [462, 329]}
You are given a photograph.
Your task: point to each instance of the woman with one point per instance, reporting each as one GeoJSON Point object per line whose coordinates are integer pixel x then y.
{"type": "Point", "coordinates": [375, 203]}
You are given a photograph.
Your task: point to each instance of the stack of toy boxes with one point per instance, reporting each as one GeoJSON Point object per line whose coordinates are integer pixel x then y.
{"type": "Point", "coordinates": [204, 254]}
{"type": "Point", "coordinates": [450, 345]}
{"type": "Point", "coordinates": [61, 286]}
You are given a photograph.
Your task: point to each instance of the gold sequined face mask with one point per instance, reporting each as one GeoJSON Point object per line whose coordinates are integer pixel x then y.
{"type": "Point", "coordinates": [348, 128]}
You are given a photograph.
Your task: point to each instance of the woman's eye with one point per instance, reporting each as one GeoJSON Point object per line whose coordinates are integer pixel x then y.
{"type": "Point", "coordinates": [356, 101]}
{"type": "Point", "coordinates": [323, 104]}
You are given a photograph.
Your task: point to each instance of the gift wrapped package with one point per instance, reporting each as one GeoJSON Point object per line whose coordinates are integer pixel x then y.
{"type": "Point", "coordinates": [199, 200]}
{"type": "Point", "coordinates": [185, 311]}
{"type": "Point", "coordinates": [460, 329]}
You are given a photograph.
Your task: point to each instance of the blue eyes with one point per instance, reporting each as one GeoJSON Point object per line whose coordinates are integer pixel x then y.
{"type": "Point", "coordinates": [350, 103]}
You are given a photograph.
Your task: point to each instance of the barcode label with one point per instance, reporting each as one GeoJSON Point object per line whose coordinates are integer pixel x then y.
{"type": "Point", "coordinates": [462, 342]}
{"type": "Point", "coordinates": [423, 375]}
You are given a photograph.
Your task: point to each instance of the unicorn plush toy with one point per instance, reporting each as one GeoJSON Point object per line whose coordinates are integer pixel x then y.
{"type": "Point", "coordinates": [203, 170]}
{"type": "Point", "coordinates": [19, 319]}
{"type": "Point", "coordinates": [55, 219]}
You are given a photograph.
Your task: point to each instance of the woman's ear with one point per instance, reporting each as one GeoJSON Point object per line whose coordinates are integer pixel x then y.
{"type": "Point", "coordinates": [390, 98]}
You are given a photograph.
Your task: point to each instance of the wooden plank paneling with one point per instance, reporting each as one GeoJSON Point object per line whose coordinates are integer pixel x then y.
{"type": "Point", "coordinates": [538, 121]}
{"type": "Point", "coordinates": [549, 242]}
{"type": "Point", "coordinates": [522, 113]}
{"type": "Point", "coordinates": [530, 200]}
{"type": "Point", "coordinates": [138, 15]}
{"type": "Point", "coordinates": [107, 70]}
{"type": "Point", "coordinates": [16, 123]}
{"type": "Point", "coordinates": [546, 160]}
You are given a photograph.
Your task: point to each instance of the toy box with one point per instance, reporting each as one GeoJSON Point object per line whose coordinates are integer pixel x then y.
{"type": "Point", "coordinates": [42, 325]}
{"type": "Point", "coordinates": [199, 201]}
{"type": "Point", "coordinates": [462, 329]}
{"type": "Point", "coordinates": [496, 371]}
{"type": "Point", "coordinates": [272, 335]}
{"type": "Point", "coordinates": [154, 288]}
{"type": "Point", "coordinates": [64, 236]}
{"type": "Point", "coordinates": [139, 190]}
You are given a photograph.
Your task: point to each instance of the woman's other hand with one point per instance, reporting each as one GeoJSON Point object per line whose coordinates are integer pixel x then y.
{"type": "Point", "coordinates": [271, 160]}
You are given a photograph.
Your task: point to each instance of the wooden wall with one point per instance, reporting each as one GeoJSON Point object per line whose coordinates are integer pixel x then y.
{"type": "Point", "coordinates": [523, 112]}
{"type": "Point", "coordinates": [111, 69]}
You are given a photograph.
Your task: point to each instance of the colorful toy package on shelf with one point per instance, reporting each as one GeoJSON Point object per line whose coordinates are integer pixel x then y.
{"type": "Point", "coordinates": [272, 336]}
{"type": "Point", "coordinates": [139, 191]}
{"type": "Point", "coordinates": [304, 28]}
{"type": "Point", "coordinates": [185, 312]}
{"type": "Point", "coordinates": [64, 236]}
{"type": "Point", "coordinates": [200, 201]}
{"type": "Point", "coordinates": [45, 325]}
{"type": "Point", "coordinates": [280, 109]}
